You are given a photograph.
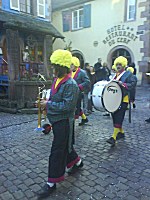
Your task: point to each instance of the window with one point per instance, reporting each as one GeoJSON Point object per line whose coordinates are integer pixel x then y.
{"type": "Point", "coordinates": [41, 8]}
{"type": "Point", "coordinates": [14, 4]}
{"type": "Point", "coordinates": [131, 8]}
{"type": "Point", "coordinates": [77, 19]}
{"type": "Point", "coordinates": [25, 6]}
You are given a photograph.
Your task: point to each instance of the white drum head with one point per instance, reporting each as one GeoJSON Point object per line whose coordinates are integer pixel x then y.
{"type": "Point", "coordinates": [112, 97]}
{"type": "Point", "coordinates": [97, 94]}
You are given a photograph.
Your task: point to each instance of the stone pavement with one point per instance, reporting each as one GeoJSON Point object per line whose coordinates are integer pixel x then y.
{"type": "Point", "coordinates": [121, 172]}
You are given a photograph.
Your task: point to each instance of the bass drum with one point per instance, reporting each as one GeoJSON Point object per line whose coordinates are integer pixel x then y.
{"type": "Point", "coordinates": [112, 96]}
{"type": "Point", "coordinates": [97, 94]}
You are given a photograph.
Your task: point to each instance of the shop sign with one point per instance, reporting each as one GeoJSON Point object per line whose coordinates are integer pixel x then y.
{"type": "Point", "coordinates": [119, 34]}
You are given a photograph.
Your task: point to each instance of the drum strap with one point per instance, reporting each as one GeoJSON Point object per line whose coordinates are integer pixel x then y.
{"type": "Point", "coordinates": [120, 75]}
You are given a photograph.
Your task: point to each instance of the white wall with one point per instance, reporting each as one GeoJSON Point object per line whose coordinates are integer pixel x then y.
{"type": "Point", "coordinates": [104, 15]}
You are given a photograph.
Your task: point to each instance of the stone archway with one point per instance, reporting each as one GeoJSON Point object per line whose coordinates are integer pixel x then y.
{"type": "Point", "coordinates": [80, 56]}
{"type": "Point", "coordinates": [120, 51]}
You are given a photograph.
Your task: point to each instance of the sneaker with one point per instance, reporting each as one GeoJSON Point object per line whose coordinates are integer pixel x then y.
{"type": "Point", "coordinates": [75, 168]}
{"type": "Point", "coordinates": [46, 191]}
{"type": "Point", "coordinates": [111, 141]}
{"type": "Point", "coordinates": [84, 121]}
{"type": "Point", "coordinates": [148, 120]}
{"type": "Point", "coordinates": [120, 136]}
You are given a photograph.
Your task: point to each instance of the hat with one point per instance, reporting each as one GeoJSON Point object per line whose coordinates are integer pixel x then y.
{"type": "Point", "coordinates": [121, 60]}
{"type": "Point", "coordinates": [75, 61]}
{"type": "Point", "coordinates": [61, 57]}
{"type": "Point", "coordinates": [130, 69]}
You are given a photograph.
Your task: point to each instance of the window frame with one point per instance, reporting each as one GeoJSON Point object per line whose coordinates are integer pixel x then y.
{"type": "Point", "coordinates": [27, 8]}
{"type": "Point", "coordinates": [78, 19]}
{"type": "Point", "coordinates": [15, 8]}
{"type": "Point", "coordinates": [128, 18]}
{"type": "Point", "coordinates": [40, 4]}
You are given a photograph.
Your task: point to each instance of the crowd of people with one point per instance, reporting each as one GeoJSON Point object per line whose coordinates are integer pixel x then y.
{"type": "Point", "coordinates": [72, 86]}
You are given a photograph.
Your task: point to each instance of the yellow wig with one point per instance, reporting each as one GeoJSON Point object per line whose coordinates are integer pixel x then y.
{"type": "Point", "coordinates": [121, 60]}
{"type": "Point", "coordinates": [114, 68]}
{"type": "Point", "coordinates": [130, 69]}
{"type": "Point", "coordinates": [75, 61]}
{"type": "Point", "coordinates": [61, 57]}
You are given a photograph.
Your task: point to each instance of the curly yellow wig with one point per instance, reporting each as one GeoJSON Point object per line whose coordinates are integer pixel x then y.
{"type": "Point", "coordinates": [121, 60]}
{"type": "Point", "coordinates": [114, 67]}
{"type": "Point", "coordinates": [61, 57]}
{"type": "Point", "coordinates": [75, 61]}
{"type": "Point", "coordinates": [130, 69]}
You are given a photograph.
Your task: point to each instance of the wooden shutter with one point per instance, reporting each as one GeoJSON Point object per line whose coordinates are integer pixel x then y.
{"type": "Point", "coordinates": [87, 15]}
{"type": "Point", "coordinates": [66, 15]}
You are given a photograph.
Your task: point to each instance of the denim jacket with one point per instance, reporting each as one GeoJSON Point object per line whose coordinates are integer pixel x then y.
{"type": "Point", "coordinates": [63, 103]}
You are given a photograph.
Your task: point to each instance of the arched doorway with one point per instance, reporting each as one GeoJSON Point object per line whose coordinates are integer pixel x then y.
{"type": "Point", "coordinates": [79, 55]}
{"type": "Point", "coordinates": [120, 51]}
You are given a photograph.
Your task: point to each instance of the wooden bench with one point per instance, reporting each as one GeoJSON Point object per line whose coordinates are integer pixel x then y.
{"type": "Point", "coordinates": [4, 82]}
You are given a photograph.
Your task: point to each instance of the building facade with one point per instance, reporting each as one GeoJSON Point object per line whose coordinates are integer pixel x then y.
{"type": "Point", "coordinates": [105, 29]}
{"type": "Point", "coordinates": [26, 37]}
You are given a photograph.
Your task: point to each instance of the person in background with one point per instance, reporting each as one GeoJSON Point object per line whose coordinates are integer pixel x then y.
{"type": "Point", "coordinates": [86, 92]}
{"type": "Point", "coordinates": [113, 72]}
{"type": "Point", "coordinates": [93, 81]}
{"type": "Point", "coordinates": [100, 71]}
{"type": "Point", "coordinates": [80, 76]}
{"type": "Point", "coordinates": [133, 66]}
{"type": "Point", "coordinates": [107, 71]}
{"type": "Point", "coordinates": [127, 81]}
{"type": "Point", "coordinates": [132, 91]}
{"type": "Point", "coordinates": [60, 112]}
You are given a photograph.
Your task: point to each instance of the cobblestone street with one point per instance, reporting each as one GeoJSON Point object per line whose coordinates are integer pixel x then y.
{"type": "Point", "coordinates": [118, 173]}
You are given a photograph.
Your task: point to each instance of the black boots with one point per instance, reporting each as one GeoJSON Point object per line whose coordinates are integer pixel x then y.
{"type": "Point", "coordinates": [46, 191]}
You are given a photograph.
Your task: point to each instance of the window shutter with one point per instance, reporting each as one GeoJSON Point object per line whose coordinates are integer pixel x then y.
{"type": "Point", "coordinates": [14, 4]}
{"type": "Point", "coordinates": [66, 21]}
{"type": "Point", "coordinates": [87, 15]}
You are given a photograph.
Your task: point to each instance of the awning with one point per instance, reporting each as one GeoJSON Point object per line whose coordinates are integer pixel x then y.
{"type": "Point", "coordinates": [28, 23]}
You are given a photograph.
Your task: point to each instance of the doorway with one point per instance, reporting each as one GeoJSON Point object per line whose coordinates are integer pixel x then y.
{"type": "Point", "coordinates": [121, 52]}
{"type": "Point", "coordinates": [79, 55]}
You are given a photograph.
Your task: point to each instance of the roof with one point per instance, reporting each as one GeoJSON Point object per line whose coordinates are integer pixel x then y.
{"type": "Point", "coordinates": [28, 23]}
{"type": "Point", "coordinates": [61, 4]}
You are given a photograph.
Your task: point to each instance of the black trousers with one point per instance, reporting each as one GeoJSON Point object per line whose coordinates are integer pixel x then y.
{"type": "Point", "coordinates": [79, 111]}
{"type": "Point", "coordinates": [119, 115]}
{"type": "Point", "coordinates": [59, 157]}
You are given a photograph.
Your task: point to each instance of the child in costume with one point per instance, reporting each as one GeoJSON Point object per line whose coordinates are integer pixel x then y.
{"type": "Point", "coordinates": [127, 82]}
{"type": "Point", "coordinates": [60, 112]}
{"type": "Point", "coordinates": [84, 85]}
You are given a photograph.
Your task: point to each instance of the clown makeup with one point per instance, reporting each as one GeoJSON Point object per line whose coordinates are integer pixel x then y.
{"type": "Point", "coordinates": [72, 68]}
{"type": "Point", "coordinates": [119, 67]}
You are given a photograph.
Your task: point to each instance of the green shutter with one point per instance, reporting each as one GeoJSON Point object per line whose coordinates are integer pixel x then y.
{"type": "Point", "coordinates": [66, 15]}
{"type": "Point", "coordinates": [87, 15]}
